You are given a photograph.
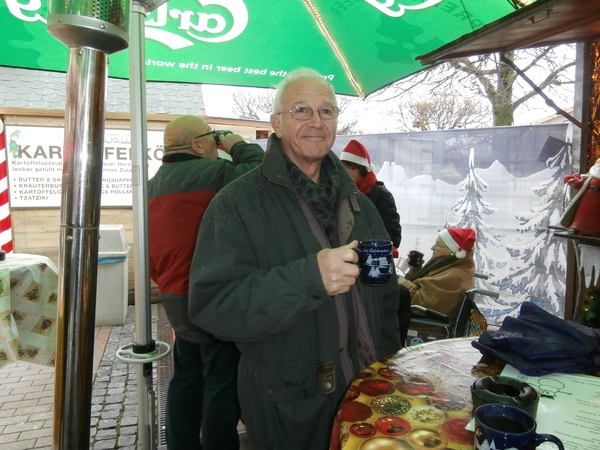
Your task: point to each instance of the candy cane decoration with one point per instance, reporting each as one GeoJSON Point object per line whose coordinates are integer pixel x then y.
{"type": "Point", "coordinates": [5, 222]}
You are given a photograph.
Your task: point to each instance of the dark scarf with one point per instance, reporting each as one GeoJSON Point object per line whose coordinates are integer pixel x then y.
{"type": "Point", "coordinates": [321, 197]}
{"type": "Point", "coordinates": [366, 184]}
{"type": "Point", "coordinates": [431, 265]}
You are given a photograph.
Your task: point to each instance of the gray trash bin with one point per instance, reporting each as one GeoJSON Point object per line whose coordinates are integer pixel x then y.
{"type": "Point", "coordinates": [111, 292]}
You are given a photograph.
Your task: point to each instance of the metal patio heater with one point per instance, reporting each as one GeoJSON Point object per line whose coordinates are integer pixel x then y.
{"type": "Point", "coordinates": [92, 31]}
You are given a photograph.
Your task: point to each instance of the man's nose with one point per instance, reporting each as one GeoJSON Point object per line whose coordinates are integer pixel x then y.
{"type": "Point", "coordinates": [315, 120]}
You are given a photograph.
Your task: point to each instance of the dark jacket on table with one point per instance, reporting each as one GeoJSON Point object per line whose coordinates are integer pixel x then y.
{"type": "Point", "coordinates": [386, 205]}
{"type": "Point", "coordinates": [255, 280]}
{"type": "Point", "coordinates": [178, 195]}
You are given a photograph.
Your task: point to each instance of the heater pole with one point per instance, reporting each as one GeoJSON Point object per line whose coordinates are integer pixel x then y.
{"type": "Point", "coordinates": [80, 212]}
{"type": "Point", "coordinates": [91, 30]}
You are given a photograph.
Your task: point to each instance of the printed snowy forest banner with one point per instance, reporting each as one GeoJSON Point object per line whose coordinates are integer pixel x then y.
{"type": "Point", "coordinates": [505, 182]}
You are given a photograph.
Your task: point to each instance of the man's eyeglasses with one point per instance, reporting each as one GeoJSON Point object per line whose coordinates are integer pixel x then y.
{"type": "Point", "coordinates": [306, 112]}
{"type": "Point", "coordinates": [210, 131]}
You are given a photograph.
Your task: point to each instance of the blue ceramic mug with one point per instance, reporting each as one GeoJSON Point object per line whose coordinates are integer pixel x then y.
{"type": "Point", "coordinates": [505, 427]}
{"type": "Point", "coordinates": [375, 261]}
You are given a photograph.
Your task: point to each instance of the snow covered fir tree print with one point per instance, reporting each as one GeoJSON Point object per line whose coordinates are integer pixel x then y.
{"type": "Point", "coordinates": [505, 182]}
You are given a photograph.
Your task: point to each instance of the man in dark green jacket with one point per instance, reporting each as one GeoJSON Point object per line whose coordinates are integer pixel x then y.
{"type": "Point", "coordinates": [202, 392]}
{"type": "Point", "coordinates": [274, 271]}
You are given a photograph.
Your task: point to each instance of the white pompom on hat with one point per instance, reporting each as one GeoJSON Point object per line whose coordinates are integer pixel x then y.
{"type": "Point", "coordinates": [357, 153]}
{"type": "Point", "coordinates": [460, 241]}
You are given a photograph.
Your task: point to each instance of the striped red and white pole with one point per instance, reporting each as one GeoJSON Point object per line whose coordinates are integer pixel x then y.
{"type": "Point", "coordinates": [6, 243]}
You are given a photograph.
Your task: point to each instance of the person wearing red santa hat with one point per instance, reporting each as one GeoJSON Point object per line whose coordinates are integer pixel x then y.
{"type": "Point", "coordinates": [357, 160]}
{"type": "Point", "coordinates": [582, 216]}
{"type": "Point", "coordinates": [441, 283]}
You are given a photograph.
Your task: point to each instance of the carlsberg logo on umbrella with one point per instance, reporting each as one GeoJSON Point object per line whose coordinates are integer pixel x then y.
{"type": "Point", "coordinates": [205, 23]}
{"type": "Point", "coordinates": [201, 26]}
{"type": "Point", "coordinates": [393, 9]}
{"type": "Point", "coordinates": [359, 46]}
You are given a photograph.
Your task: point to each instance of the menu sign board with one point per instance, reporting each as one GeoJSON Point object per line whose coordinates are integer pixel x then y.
{"type": "Point", "coordinates": [569, 407]}
{"type": "Point", "coordinates": [35, 165]}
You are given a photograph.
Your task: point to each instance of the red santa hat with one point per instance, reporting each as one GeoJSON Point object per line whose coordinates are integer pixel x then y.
{"type": "Point", "coordinates": [460, 241]}
{"type": "Point", "coordinates": [357, 153]}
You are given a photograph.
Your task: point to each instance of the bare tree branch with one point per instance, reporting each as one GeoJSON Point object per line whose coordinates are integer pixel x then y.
{"type": "Point", "coordinates": [485, 77]}
{"type": "Point", "coordinates": [247, 105]}
{"type": "Point", "coordinates": [441, 112]}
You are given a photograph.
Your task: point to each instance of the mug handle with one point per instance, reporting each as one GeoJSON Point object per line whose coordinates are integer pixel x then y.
{"type": "Point", "coordinates": [360, 254]}
{"type": "Point", "coordinates": [539, 438]}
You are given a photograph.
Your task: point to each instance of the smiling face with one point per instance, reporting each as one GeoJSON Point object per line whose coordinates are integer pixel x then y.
{"type": "Point", "coordinates": [306, 142]}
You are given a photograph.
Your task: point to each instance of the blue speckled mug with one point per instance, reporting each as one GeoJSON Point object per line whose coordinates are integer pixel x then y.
{"type": "Point", "coordinates": [505, 427]}
{"type": "Point", "coordinates": [375, 261]}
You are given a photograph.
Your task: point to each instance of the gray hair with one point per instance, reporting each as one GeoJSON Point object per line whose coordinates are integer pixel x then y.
{"type": "Point", "coordinates": [294, 75]}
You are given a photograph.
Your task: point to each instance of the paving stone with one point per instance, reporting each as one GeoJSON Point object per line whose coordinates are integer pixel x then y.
{"type": "Point", "coordinates": [116, 391]}
{"type": "Point", "coordinates": [106, 434]}
{"type": "Point", "coordinates": [96, 407]}
{"type": "Point", "coordinates": [125, 440]}
{"type": "Point", "coordinates": [20, 445]}
{"type": "Point", "coordinates": [128, 430]}
{"type": "Point", "coordinates": [99, 392]}
{"type": "Point", "coordinates": [114, 414]}
{"type": "Point", "coordinates": [104, 445]}
{"type": "Point", "coordinates": [111, 423]}
{"type": "Point", "coordinates": [128, 421]}
{"type": "Point", "coordinates": [113, 399]}
{"type": "Point", "coordinates": [115, 406]}
{"type": "Point", "coordinates": [15, 420]}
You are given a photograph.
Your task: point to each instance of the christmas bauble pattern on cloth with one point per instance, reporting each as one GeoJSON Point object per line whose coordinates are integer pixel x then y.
{"type": "Point", "coordinates": [413, 404]}
{"type": "Point", "coordinates": [390, 404]}
{"type": "Point", "coordinates": [427, 415]}
{"type": "Point", "coordinates": [455, 430]}
{"type": "Point", "coordinates": [392, 425]}
{"type": "Point", "coordinates": [376, 387]}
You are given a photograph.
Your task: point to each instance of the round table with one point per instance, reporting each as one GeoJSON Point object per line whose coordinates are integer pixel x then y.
{"type": "Point", "coordinates": [418, 398]}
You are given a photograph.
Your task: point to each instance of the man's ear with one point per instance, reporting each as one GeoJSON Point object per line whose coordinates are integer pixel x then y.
{"type": "Point", "coordinates": [276, 124]}
{"type": "Point", "coordinates": [197, 148]}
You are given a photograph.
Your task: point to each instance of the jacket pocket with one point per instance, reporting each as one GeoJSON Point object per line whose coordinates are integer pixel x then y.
{"type": "Point", "coordinates": [285, 384]}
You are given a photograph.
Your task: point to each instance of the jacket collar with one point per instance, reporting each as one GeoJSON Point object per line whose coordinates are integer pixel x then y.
{"type": "Point", "coordinates": [178, 157]}
{"type": "Point", "coordinates": [274, 169]}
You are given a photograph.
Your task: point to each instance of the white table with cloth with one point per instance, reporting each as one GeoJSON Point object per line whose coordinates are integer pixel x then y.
{"type": "Point", "coordinates": [28, 300]}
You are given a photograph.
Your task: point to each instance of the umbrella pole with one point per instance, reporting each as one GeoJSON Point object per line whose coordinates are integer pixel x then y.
{"type": "Point", "coordinates": [145, 350]}
{"type": "Point", "coordinates": [147, 432]}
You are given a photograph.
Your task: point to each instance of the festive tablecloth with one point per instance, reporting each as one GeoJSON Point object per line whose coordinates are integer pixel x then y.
{"type": "Point", "coordinates": [28, 296]}
{"type": "Point", "coordinates": [418, 398]}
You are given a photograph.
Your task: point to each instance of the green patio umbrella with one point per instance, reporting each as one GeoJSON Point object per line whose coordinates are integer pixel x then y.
{"type": "Point", "coordinates": [359, 45]}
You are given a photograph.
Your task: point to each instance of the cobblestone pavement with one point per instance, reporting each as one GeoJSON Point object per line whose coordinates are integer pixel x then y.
{"type": "Point", "coordinates": [114, 395]}
{"type": "Point", "coordinates": [27, 396]}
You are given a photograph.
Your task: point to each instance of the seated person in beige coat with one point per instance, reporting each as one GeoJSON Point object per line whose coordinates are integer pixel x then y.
{"type": "Point", "coordinates": [441, 283]}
